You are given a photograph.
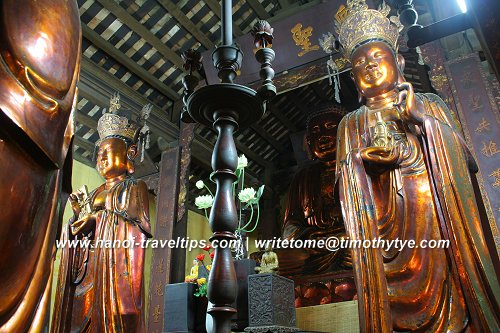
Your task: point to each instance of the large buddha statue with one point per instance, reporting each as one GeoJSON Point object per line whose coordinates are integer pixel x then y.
{"type": "Point", "coordinates": [101, 287]}
{"type": "Point", "coordinates": [39, 68]}
{"type": "Point", "coordinates": [313, 210]}
{"type": "Point", "coordinates": [404, 173]}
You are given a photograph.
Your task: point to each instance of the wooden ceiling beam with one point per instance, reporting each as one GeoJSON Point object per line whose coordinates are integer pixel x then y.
{"type": "Point", "coordinates": [269, 138]}
{"type": "Point", "coordinates": [97, 85]}
{"type": "Point", "coordinates": [316, 87]}
{"type": "Point", "coordinates": [259, 9]}
{"type": "Point", "coordinates": [131, 65]}
{"type": "Point", "coordinates": [83, 143]}
{"type": "Point", "coordinates": [252, 155]}
{"type": "Point", "coordinates": [284, 120]}
{"type": "Point", "coordinates": [142, 31]}
{"type": "Point", "coordinates": [183, 20]}
{"type": "Point", "coordinates": [85, 120]}
{"type": "Point", "coordinates": [284, 4]}
{"type": "Point", "coordinates": [83, 160]}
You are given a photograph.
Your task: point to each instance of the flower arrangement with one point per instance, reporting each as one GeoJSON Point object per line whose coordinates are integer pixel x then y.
{"type": "Point", "coordinates": [194, 275]}
{"type": "Point", "coordinates": [248, 198]}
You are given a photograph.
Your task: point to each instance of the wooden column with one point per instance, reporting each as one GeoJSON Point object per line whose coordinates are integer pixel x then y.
{"type": "Point", "coordinates": [166, 217]}
{"type": "Point", "coordinates": [180, 227]}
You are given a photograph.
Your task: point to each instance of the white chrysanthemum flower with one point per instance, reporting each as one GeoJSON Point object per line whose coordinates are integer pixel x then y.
{"type": "Point", "coordinates": [204, 201]}
{"type": "Point", "coordinates": [246, 194]}
{"type": "Point", "coordinates": [242, 162]}
{"type": "Point", "coordinates": [200, 184]}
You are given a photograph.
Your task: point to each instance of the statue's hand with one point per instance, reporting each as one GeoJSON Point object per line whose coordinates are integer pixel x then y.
{"type": "Point", "coordinates": [380, 155]}
{"type": "Point", "coordinates": [84, 226]}
{"type": "Point", "coordinates": [409, 107]}
{"type": "Point", "coordinates": [310, 216]}
{"type": "Point", "coordinates": [75, 206]}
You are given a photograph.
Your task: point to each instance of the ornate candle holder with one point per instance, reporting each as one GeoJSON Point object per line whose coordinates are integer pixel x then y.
{"type": "Point", "coordinates": [227, 106]}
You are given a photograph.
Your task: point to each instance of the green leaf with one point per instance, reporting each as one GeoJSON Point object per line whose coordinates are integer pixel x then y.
{"type": "Point", "coordinates": [259, 192]}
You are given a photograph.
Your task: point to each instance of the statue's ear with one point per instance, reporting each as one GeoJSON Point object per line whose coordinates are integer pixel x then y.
{"type": "Point", "coordinates": [401, 66]}
{"type": "Point", "coordinates": [131, 155]}
{"type": "Point", "coordinates": [306, 144]}
{"type": "Point", "coordinates": [132, 152]}
{"type": "Point", "coordinates": [401, 62]}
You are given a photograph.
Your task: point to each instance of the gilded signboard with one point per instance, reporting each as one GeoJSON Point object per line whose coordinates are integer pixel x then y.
{"type": "Point", "coordinates": [479, 115]}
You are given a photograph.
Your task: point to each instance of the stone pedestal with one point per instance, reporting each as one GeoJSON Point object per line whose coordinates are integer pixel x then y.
{"type": "Point", "coordinates": [244, 268]}
{"type": "Point", "coordinates": [271, 305]}
{"type": "Point", "coordinates": [184, 312]}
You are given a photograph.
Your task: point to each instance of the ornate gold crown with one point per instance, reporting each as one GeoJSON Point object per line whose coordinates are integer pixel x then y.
{"type": "Point", "coordinates": [113, 125]}
{"type": "Point", "coordinates": [355, 23]}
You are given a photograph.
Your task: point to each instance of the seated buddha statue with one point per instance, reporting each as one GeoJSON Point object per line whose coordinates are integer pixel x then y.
{"type": "Point", "coordinates": [404, 173]}
{"type": "Point", "coordinates": [269, 262]}
{"type": "Point", "coordinates": [101, 288]}
{"type": "Point", "coordinates": [313, 210]}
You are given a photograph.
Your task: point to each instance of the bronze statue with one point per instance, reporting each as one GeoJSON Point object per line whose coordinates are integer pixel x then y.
{"type": "Point", "coordinates": [269, 262]}
{"type": "Point", "coordinates": [404, 173]}
{"type": "Point", "coordinates": [39, 68]}
{"type": "Point", "coordinates": [313, 210]}
{"type": "Point", "coordinates": [101, 287]}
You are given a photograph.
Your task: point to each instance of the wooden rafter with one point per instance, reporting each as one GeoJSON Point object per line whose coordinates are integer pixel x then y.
{"type": "Point", "coordinates": [259, 9]}
{"type": "Point", "coordinates": [131, 65]}
{"type": "Point", "coordinates": [269, 138]}
{"type": "Point", "coordinates": [142, 31]}
{"type": "Point", "coordinates": [175, 11]}
{"type": "Point", "coordinates": [284, 4]}
{"type": "Point", "coordinates": [283, 119]}
{"type": "Point", "coordinates": [83, 143]}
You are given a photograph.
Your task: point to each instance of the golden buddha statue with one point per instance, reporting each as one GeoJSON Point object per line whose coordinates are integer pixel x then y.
{"type": "Point", "coordinates": [269, 262]}
{"type": "Point", "coordinates": [39, 69]}
{"type": "Point", "coordinates": [404, 173]}
{"type": "Point", "coordinates": [313, 210]}
{"type": "Point", "coordinates": [101, 287]}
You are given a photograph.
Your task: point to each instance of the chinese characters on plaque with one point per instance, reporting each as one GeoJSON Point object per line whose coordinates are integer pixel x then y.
{"type": "Point", "coordinates": [479, 116]}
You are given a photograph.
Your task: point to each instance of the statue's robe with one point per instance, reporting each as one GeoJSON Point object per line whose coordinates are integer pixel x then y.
{"type": "Point", "coordinates": [311, 191]}
{"type": "Point", "coordinates": [427, 194]}
{"type": "Point", "coordinates": [101, 289]}
{"type": "Point", "coordinates": [39, 68]}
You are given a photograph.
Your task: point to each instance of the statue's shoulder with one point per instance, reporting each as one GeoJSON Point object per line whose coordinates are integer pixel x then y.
{"type": "Point", "coordinates": [351, 117]}
{"type": "Point", "coordinates": [431, 97]}
{"type": "Point", "coordinates": [132, 182]}
{"type": "Point", "coordinates": [436, 99]}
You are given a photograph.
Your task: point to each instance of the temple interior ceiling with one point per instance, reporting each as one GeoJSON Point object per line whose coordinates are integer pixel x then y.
{"type": "Point", "coordinates": [135, 46]}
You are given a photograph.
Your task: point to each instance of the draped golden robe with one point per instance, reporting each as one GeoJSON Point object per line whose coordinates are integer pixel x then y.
{"type": "Point", "coordinates": [427, 195]}
{"type": "Point", "coordinates": [101, 289]}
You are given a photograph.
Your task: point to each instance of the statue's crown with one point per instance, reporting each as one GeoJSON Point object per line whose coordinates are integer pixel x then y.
{"type": "Point", "coordinates": [117, 123]}
{"type": "Point", "coordinates": [356, 24]}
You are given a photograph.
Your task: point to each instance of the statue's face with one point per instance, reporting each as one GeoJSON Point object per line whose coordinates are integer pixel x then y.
{"type": "Point", "coordinates": [112, 158]}
{"type": "Point", "coordinates": [322, 136]}
{"type": "Point", "coordinates": [374, 69]}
